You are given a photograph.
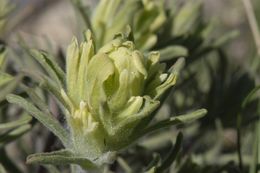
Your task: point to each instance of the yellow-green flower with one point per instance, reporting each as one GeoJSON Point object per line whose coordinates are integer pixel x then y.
{"type": "Point", "coordinates": [109, 92]}
{"type": "Point", "coordinates": [108, 96]}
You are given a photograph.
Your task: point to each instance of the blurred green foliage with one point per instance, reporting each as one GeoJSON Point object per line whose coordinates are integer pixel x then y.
{"type": "Point", "coordinates": [226, 140]}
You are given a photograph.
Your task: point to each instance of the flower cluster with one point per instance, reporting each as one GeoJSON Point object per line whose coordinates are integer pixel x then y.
{"type": "Point", "coordinates": [109, 93]}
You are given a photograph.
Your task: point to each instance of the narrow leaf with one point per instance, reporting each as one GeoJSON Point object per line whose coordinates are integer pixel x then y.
{"type": "Point", "coordinates": [2, 56]}
{"type": "Point", "coordinates": [182, 119]}
{"type": "Point", "coordinates": [46, 119]}
{"type": "Point", "coordinates": [178, 66]}
{"type": "Point", "coordinates": [187, 18]}
{"type": "Point", "coordinates": [172, 155]}
{"type": "Point", "coordinates": [172, 52]}
{"type": "Point", "coordinates": [49, 86]}
{"type": "Point", "coordinates": [8, 88]}
{"type": "Point", "coordinates": [60, 157]}
{"type": "Point", "coordinates": [249, 96]}
{"type": "Point", "coordinates": [13, 134]}
{"type": "Point", "coordinates": [5, 78]}
{"type": "Point", "coordinates": [37, 100]}
{"type": "Point", "coordinates": [22, 121]}
{"type": "Point", "coordinates": [51, 67]}
{"type": "Point", "coordinates": [225, 38]}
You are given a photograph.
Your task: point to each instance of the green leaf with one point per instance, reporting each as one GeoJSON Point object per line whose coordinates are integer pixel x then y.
{"type": "Point", "coordinates": [38, 101]}
{"type": "Point", "coordinates": [8, 88]}
{"type": "Point", "coordinates": [172, 52]}
{"type": "Point", "coordinates": [182, 119]}
{"type": "Point", "coordinates": [49, 86]}
{"type": "Point", "coordinates": [225, 38]}
{"type": "Point", "coordinates": [5, 78]}
{"type": "Point", "coordinates": [178, 66]}
{"type": "Point", "coordinates": [187, 18]}
{"type": "Point", "coordinates": [172, 155]}
{"type": "Point", "coordinates": [46, 119]}
{"type": "Point", "coordinates": [22, 121]}
{"type": "Point", "coordinates": [51, 67]}
{"type": "Point", "coordinates": [61, 157]}
{"type": "Point", "coordinates": [249, 96]}
{"type": "Point", "coordinates": [13, 134]}
{"type": "Point", "coordinates": [2, 56]}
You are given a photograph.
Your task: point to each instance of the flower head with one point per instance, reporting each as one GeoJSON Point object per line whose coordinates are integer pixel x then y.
{"type": "Point", "coordinates": [110, 92]}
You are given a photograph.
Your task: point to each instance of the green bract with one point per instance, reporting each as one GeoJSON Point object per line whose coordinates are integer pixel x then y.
{"type": "Point", "coordinates": [109, 92]}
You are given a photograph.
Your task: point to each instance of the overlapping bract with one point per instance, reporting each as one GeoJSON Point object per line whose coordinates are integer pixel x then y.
{"type": "Point", "coordinates": [110, 92]}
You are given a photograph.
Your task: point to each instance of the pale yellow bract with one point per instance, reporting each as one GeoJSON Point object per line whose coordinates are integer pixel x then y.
{"type": "Point", "coordinates": [109, 92]}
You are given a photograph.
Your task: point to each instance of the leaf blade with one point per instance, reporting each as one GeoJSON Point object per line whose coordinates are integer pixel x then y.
{"type": "Point", "coordinates": [13, 134]}
{"type": "Point", "coordinates": [22, 121]}
{"type": "Point", "coordinates": [51, 67]}
{"type": "Point", "coordinates": [60, 157]}
{"type": "Point", "coordinates": [173, 52]}
{"type": "Point", "coordinates": [172, 155]}
{"type": "Point", "coordinates": [181, 119]}
{"type": "Point", "coordinates": [48, 121]}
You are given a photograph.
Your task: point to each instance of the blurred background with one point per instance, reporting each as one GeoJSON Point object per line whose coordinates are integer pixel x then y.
{"type": "Point", "coordinates": [55, 20]}
{"type": "Point", "coordinates": [218, 80]}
